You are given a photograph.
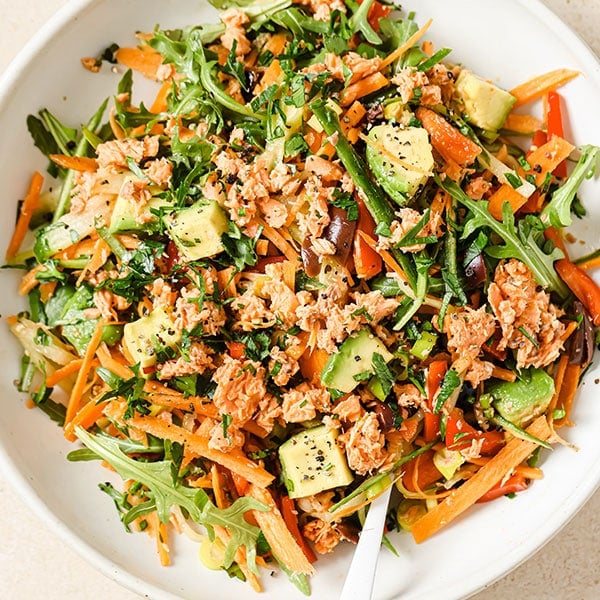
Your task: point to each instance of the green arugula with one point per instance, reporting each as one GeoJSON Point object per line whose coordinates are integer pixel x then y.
{"type": "Point", "coordinates": [558, 211]}
{"type": "Point", "coordinates": [519, 241]}
{"type": "Point", "coordinates": [450, 383]}
{"type": "Point", "coordinates": [157, 477]}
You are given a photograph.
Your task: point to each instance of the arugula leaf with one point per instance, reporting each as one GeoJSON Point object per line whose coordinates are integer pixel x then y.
{"type": "Point", "coordinates": [132, 390]}
{"type": "Point", "coordinates": [519, 242]}
{"type": "Point", "coordinates": [156, 476]}
{"type": "Point", "coordinates": [558, 211]}
{"type": "Point", "coordinates": [360, 22]}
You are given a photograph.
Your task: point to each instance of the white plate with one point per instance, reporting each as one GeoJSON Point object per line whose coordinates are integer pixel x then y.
{"type": "Point", "coordinates": [508, 41]}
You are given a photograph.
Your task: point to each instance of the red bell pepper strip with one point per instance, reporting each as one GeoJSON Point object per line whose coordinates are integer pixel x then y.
{"type": "Point", "coordinates": [367, 263]}
{"type": "Point", "coordinates": [515, 483]}
{"type": "Point", "coordinates": [582, 285]}
{"type": "Point", "coordinates": [460, 435]}
{"type": "Point", "coordinates": [554, 120]}
{"type": "Point", "coordinates": [288, 512]}
{"type": "Point", "coordinates": [435, 374]}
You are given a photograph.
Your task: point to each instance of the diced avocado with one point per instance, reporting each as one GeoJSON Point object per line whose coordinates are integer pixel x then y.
{"type": "Point", "coordinates": [401, 159]}
{"type": "Point", "coordinates": [354, 357]}
{"type": "Point", "coordinates": [524, 399]}
{"type": "Point", "coordinates": [197, 230]}
{"type": "Point", "coordinates": [127, 217]}
{"type": "Point", "coordinates": [447, 461]}
{"type": "Point", "coordinates": [485, 104]}
{"type": "Point", "coordinates": [394, 109]}
{"type": "Point", "coordinates": [313, 462]}
{"type": "Point", "coordinates": [142, 338]}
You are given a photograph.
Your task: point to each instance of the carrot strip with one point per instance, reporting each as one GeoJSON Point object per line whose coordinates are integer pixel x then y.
{"type": "Point", "coordinates": [547, 157]}
{"type": "Point", "coordinates": [75, 163]}
{"type": "Point", "coordinates": [144, 59]}
{"type": "Point", "coordinates": [410, 42]}
{"type": "Point", "coordinates": [28, 207]}
{"type": "Point", "coordinates": [526, 124]}
{"type": "Point", "coordinates": [159, 530]}
{"type": "Point", "coordinates": [503, 374]}
{"type": "Point", "coordinates": [505, 193]}
{"type": "Point", "coordinates": [47, 289]}
{"type": "Point", "coordinates": [364, 87]}
{"type": "Point", "coordinates": [82, 376]}
{"type": "Point", "coordinates": [280, 539]}
{"type": "Point", "coordinates": [509, 457]}
{"type": "Point", "coordinates": [279, 242]}
{"type": "Point", "coordinates": [160, 102]}
{"type": "Point", "coordinates": [85, 418]}
{"type": "Point", "coordinates": [63, 372]}
{"type": "Point", "coordinates": [108, 361]}
{"type": "Point", "coordinates": [542, 84]}
{"type": "Point", "coordinates": [234, 460]}
{"type": "Point", "coordinates": [568, 390]}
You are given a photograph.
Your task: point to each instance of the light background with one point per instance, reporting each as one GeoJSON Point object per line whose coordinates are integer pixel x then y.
{"type": "Point", "coordinates": [34, 563]}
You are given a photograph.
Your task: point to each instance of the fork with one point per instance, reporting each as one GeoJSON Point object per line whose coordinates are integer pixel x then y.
{"type": "Point", "coordinates": [361, 575]}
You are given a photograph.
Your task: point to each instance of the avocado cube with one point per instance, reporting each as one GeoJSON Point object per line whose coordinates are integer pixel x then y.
{"type": "Point", "coordinates": [522, 400]}
{"type": "Point", "coordinates": [152, 333]}
{"type": "Point", "coordinates": [353, 358]}
{"type": "Point", "coordinates": [197, 230]}
{"type": "Point", "coordinates": [401, 159]}
{"type": "Point", "coordinates": [485, 104]}
{"type": "Point", "coordinates": [313, 462]}
{"type": "Point", "coordinates": [125, 213]}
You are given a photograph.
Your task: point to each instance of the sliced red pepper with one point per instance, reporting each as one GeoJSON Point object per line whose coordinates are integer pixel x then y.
{"type": "Point", "coordinates": [582, 285]}
{"type": "Point", "coordinates": [376, 12]}
{"type": "Point", "coordinates": [236, 349]}
{"type": "Point", "coordinates": [460, 435]}
{"type": "Point", "coordinates": [367, 263]}
{"type": "Point", "coordinates": [555, 126]}
{"type": "Point", "coordinates": [431, 425]}
{"type": "Point", "coordinates": [289, 514]}
{"type": "Point", "coordinates": [515, 483]}
{"type": "Point", "coordinates": [423, 469]}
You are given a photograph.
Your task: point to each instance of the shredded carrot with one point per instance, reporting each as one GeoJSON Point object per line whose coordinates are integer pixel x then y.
{"type": "Point", "coordinates": [227, 282]}
{"type": "Point", "coordinates": [75, 163]}
{"type": "Point", "coordinates": [28, 207]}
{"type": "Point", "coordinates": [281, 541]}
{"type": "Point", "coordinates": [109, 361]}
{"type": "Point", "coordinates": [116, 129]}
{"type": "Point", "coordinates": [410, 42]}
{"type": "Point", "coordinates": [354, 114]}
{"type": "Point", "coordinates": [529, 472]}
{"type": "Point", "coordinates": [235, 460]}
{"type": "Point", "coordinates": [505, 193]}
{"type": "Point", "coordinates": [217, 487]}
{"type": "Point", "coordinates": [503, 374]}
{"type": "Point", "coordinates": [85, 417]}
{"type": "Point", "coordinates": [63, 372]}
{"type": "Point", "coordinates": [510, 456]}
{"type": "Point", "coordinates": [47, 289]}
{"type": "Point", "coordinates": [542, 84]}
{"type": "Point", "coordinates": [277, 239]}
{"type": "Point", "coordinates": [29, 281]}
{"type": "Point", "coordinates": [82, 376]}
{"type": "Point", "coordinates": [526, 124]}
{"type": "Point", "coordinates": [589, 263]}
{"type": "Point", "coordinates": [160, 102]}
{"type": "Point", "coordinates": [547, 157]}
{"type": "Point", "coordinates": [568, 391]}
{"type": "Point", "coordinates": [569, 329]}
{"type": "Point", "coordinates": [144, 59]}
{"type": "Point", "coordinates": [364, 87]}
{"type": "Point", "coordinates": [159, 531]}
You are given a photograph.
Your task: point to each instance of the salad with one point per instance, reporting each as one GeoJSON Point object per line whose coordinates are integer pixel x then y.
{"type": "Point", "coordinates": [323, 260]}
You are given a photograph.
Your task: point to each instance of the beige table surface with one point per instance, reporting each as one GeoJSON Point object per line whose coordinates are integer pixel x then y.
{"type": "Point", "coordinates": [34, 563]}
